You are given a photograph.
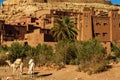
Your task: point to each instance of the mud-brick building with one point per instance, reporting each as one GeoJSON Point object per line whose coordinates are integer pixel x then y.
{"type": "Point", "coordinates": [35, 29]}
{"type": "Point", "coordinates": [106, 27]}
{"type": "Point", "coordinates": [10, 33]}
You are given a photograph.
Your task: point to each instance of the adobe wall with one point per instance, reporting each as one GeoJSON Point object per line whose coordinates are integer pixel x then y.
{"type": "Point", "coordinates": [8, 43]}
{"type": "Point", "coordinates": [86, 25]}
{"type": "Point", "coordinates": [101, 28]}
{"type": "Point", "coordinates": [34, 38]}
{"type": "Point", "coordinates": [114, 25]}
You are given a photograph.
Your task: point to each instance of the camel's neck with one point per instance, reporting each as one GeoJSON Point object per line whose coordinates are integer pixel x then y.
{"type": "Point", "coordinates": [9, 63]}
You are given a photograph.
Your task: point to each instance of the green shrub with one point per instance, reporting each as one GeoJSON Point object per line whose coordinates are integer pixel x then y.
{"type": "Point", "coordinates": [3, 48]}
{"type": "Point", "coordinates": [91, 56]}
{"type": "Point", "coordinates": [3, 57]}
{"type": "Point", "coordinates": [65, 52]}
{"type": "Point", "coordinates": [42, 54]}
{"type": "Point", "coordinates": [116, 50]}
{"type": "Point", "coordinates": [114, 57]}
{"type": "Point", "coordinates": [71, 54]}
{"type": "Point", "coordinates": [16, 51]}
{"type": "Point", "coordinates": [60, 51]}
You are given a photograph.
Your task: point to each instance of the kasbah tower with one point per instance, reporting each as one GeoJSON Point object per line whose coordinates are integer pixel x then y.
{"type": "Point", "coordinates": [34, 28]}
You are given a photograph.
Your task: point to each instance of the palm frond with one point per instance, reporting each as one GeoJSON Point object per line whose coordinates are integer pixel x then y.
{"type": "Point", "coordinates": [64, 29]}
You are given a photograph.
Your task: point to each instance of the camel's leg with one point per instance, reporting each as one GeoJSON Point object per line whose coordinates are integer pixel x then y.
{"type": "Point", "coordinates": [30, 69]}
{"type": "Point", "coordinates": [13, 69]}
{"type": "Point", "coordinates": [21, 68]}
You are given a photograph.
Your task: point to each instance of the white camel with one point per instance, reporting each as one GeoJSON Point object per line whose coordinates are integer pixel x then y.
{"type": "Point", "coordinates": [15, 65]}
{"type": "Point", "coordinates": [31, 66]}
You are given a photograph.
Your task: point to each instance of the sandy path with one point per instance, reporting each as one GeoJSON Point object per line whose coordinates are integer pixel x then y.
{"type": "Point", "coordinates": [68, 73]}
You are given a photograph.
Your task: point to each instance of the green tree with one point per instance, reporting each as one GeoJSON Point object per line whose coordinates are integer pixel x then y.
{"type": "Point", "coordinates": [64, 29]}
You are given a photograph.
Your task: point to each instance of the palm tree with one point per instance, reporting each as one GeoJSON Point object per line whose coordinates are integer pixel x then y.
{"type": "Point", "coordinates": [64, 29]}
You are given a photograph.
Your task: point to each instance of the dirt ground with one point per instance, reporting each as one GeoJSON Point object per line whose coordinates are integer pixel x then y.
{"type": "Point", "coordinates": [68, 73]}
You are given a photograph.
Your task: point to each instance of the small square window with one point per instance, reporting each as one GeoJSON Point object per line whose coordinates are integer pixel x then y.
{"type": "Point", "coordinates": [104, 24]}
{"type": "Point", "coordinates": [37, 23]}
{"type": "Point", "coordinates": [97, 34]}
{"type": "Point", "coordinates": [98, 24]}
{"type": "Point", "coordinates": [104, 34]}
{"type": "Point", "coordinates": [119, 25]}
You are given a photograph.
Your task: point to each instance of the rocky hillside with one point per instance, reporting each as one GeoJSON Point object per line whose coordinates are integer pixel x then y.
{"type": "Point", "coordinates": [82, 1]}
{"type": "Point", "coordinates": [47, 1]}
{"type": "Point", "coordinates": [12, 12]}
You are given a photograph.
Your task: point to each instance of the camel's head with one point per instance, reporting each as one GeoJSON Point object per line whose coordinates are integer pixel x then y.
{"type": "Point", "coordinates": [7, 61]}
{"type": "Point", "coordinates": [17, 61]}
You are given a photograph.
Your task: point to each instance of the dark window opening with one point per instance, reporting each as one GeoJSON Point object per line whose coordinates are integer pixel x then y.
{"type": "Point", "coordinates": [105, 24]}
{"type": "Point", "coordinates": [98, 24]}
{"type": "Point", "coordinates": [97, 34]}
{"type": "Point", "coordinates": [10, 33]}
{"type": "Point", "coordinates": [33, 20]}
{"type": "Point", "coordinates": [37, 23]}
{"type": "Point", "coordinates": [48, 38]}
{"type": "Point", "coordinates": [9, 36]}
{"type": "Point", "coordinates": [30, 28]}
{"type": "Point", "coordinates": [104, 34]}
{"type": "Point", "coordinates": [119, 25]}
{"type": "Point", "coordinates": [45, 1]}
